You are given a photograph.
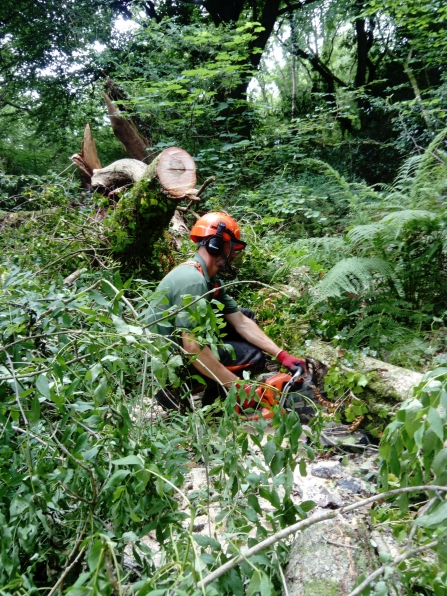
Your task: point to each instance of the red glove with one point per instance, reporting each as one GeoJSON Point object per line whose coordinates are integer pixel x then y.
{"type": "Point", "coordinates": [290, 362]}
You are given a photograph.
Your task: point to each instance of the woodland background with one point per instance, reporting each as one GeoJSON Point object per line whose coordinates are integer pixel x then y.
{"type": "Point", "coordinates": [324, 125]}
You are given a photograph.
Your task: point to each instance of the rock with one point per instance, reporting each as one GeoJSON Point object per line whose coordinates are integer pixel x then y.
{"type": "Point", "coordinates": [327, 469]}
{"type": "Point", "coordinates": [350, 484]}
{"type": "Point", "coordinates": [329, 500]}
{"type": "Point", "coordinates": [326, 559]}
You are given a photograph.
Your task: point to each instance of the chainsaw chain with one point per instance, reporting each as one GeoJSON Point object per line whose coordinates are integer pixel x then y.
{"type": "Point", "coordinates": [328, 404]}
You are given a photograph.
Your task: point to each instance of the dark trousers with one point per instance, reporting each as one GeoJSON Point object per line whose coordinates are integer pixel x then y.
{"type": "Point", "coordinates": [247, 356]}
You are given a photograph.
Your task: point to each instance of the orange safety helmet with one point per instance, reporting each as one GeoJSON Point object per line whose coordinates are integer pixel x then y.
{"type": "Point", "coordinates": [208, 226]}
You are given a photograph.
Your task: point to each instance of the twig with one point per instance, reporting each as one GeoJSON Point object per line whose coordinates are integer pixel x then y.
{"type": "Point", "coordinates": [341, 544]}
{"type": "Point", "coordinates": [315, 519]}
{"type": "Point", "coordinates": [16, 386]}
{"type": "Point", "coordinates": [71, 254]}
{"type": "Point", "coordinates": [81, 465]}
{"type": "Point", "coordinates": [232, 283]}
{"type": "Point", "coordinates": [421, 512]}
{"type": "Point", "coordinates": [43, 370]}
{"type": "Point", "coordinates": [283, 579]}
{"type": "Point", "coordinates": [378, 572]}
{"type": "Point", "coordinates": [26, 432]}
{"type": "Point", "coordinates": [205, 185]}
{"type": "Point", "coordinates": [65, 572]}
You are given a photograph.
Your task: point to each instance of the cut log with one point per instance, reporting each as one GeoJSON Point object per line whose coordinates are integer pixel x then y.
{"type": "Point", "coordinates": [174, 170]}
{"type": "Point", "coordinates": [125, 131]}
{"type": "Point", "coordinates": [144, 211]}
{"type": "Point", "coordinates": [87, 160]}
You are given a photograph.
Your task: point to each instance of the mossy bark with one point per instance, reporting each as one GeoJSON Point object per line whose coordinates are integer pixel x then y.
{"type": "Point", "coordinates": [390, 383]}
{"type": "Point", "coordinates": [320, 564]}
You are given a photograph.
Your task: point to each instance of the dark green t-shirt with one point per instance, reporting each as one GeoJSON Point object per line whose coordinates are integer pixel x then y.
{"type": "Point", "coordinates": [181, 281]}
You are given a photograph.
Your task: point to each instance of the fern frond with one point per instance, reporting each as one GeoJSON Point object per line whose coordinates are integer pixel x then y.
{"type": "Point", "coordinates": [407, 172]}
{"type": "Point", "coordinates": [376, 327]}
{"type": "Point", "coordinates": [326, 169]}
{"type": "Point", "coordinates": [326, 250]}
{"type": "Point", "coordinates": [398, 219]}
{"type": "Point", "coordinates": [364, 233]}
{"type": "Point", "coordinates": [430, 179]}
{"type": "Point", "coordinates": [353, 275]}
{"type": "Point", "coordinates": [282, 272]}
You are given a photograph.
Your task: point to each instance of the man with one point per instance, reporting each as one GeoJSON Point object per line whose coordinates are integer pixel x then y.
{"type": "Point", "coordinates": [218, 239]}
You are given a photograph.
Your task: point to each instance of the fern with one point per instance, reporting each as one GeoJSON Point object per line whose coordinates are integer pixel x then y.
{"type": "Point", "coordinates": [353, 275]}
{"type": "Point", "coordinates": [390, 226]}
{"type": "Point", "coordinates": [325, 249]}
{"type": "Point", "coordinates": [364, 233]}
{"type": "Point", "coordinates": [324, 168]}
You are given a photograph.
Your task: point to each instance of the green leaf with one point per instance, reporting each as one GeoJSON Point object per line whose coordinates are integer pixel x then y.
{"type": "Point", "coordinates": [269, 451]}
{"type": "Point", "coordinates": [129, 460]}
{"type": "Point", "coordinates": [148, 591]}
{"type": "Point", "coordinates": [254, 503]}
{"type": "Point", "coordinates": [101, 391]}
{"type": "Point", "coordinates": [42, 386]}
{"type": "Point", "coordinates": [435, 422]}
{"type": "Point", "coordinates": [380, 589]}
{"type": "Point", "coordinates": [34, 413]}
{"type": "Point", "coordinates": [440, 462]}
{"type": "Point", "coordinates": [303, 467]}
{"type": "Point", "coordinates": [277, 462]}
{"type": "Point", "coordinates": [432, 520]}
{"type": "Point", "coordinates": [95, 555]}
{"type": "Point", "coordinates": [207, 541]}
{"type": "Point", "coordinates": [117, 477]}
{"type": "Point", "coordinates": [255, 583]}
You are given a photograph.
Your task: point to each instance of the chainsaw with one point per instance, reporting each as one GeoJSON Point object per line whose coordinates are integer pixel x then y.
{"type": "Point", "coordinates": [297, 392]}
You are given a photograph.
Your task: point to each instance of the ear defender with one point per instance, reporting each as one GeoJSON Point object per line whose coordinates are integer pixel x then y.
{"type": "Point", "coordinates": [216, 243]}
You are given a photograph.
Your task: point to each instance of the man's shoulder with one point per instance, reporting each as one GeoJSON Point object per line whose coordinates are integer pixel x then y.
{"type": "Point", "coordinates": [183, 275]}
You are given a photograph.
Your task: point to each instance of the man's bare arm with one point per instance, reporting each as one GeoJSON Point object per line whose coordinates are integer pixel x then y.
{"type": "Point", "coordinates": [250, 331]}
{"type": "Point", "coordinates": [206, 363]}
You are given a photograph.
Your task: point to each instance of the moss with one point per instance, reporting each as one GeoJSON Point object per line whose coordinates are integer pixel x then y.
{"type": "Point", "coordinates": [319, 587]}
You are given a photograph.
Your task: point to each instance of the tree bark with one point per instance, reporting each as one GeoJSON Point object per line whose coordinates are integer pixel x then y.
{"type": "Point", "coordinates": [87, 160]}
{"type": "Point", "coordinates": [125, 131]}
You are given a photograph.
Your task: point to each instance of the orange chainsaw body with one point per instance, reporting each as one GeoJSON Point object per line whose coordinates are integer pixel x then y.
{"type": "Point", "coordinates": [271, 389]}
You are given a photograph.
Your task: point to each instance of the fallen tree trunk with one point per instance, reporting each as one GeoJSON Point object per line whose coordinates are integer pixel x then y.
{"type": "Point", "coordinates": [392, 381]}
{"type": "Point", "coordinates": [118, 173]}
{"type": "Point", "coordinates": [144, 211]}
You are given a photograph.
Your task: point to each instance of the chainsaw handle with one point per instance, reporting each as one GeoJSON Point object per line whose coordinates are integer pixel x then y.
{"type": "Point", "coordinates": [297, 374]}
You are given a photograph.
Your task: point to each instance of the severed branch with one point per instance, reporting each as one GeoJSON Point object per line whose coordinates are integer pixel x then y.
{"type": "Point", "coordinates": [378, 572]}
{"type": "Point", "coordinates": [246, 553]}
